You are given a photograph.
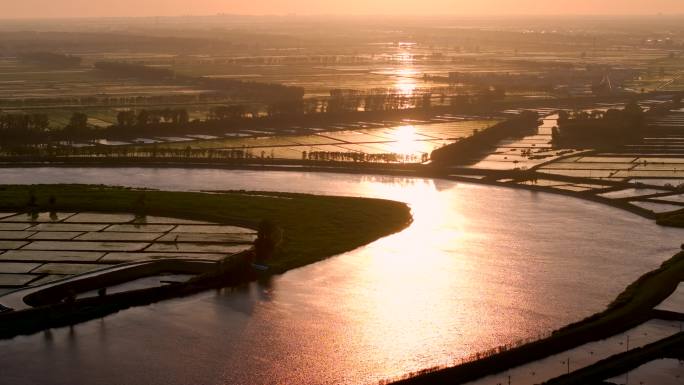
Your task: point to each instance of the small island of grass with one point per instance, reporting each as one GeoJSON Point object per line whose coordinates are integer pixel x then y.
{"type": "Point", "coordinates": [314, 227]}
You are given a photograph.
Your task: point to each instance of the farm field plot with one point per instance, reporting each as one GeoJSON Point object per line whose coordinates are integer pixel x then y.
{"type": "Point", "coordinates": [561, 185]}
{"type": "Point", "coordinates": [673, 199]}
{"type": "Point", "coordinates": [526, 152]}
{"type": "Point", "coordinates": [673, 119]}
{"type": "Point", "coordinates": [632, 192]}
{"type": "Point", "coordinates": [658, 181]}
{"type": "Point", "coordinates": [29, 88]}
{"type": "Point", "coordinates": [661, 74]}
{"type": "Point", "coordinates": [25, 81]}
{"type": "Point", "coordinates": [637, 165]}
{"type": "Point", "coordinates": [666, 371]}
{"type": "Point", "coordinates": [396, 68]}
{"type": "Point", "coordinates": [556, 365]}
{"type": "Point", "coordinates": [58, 93]}
{"type": "Point", "coordinates": [52, 246]}
{"type": "Point", "coordinates": [656, 207]}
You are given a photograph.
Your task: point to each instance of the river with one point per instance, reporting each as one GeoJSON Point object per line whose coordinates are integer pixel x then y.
{"type": "Point", "coordinates": [480, 266]}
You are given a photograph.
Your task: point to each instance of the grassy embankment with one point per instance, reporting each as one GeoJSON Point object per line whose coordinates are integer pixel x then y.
{"type": "Point", "coordinates": [314, 227]}
{"type": "Point", "coordinates": [674, 219]}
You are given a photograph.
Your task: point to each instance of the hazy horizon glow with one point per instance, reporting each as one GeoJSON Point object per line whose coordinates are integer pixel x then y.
{"type": "Point", "coordinates": [89, 8]}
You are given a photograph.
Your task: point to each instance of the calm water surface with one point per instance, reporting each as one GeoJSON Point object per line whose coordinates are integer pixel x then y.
{"type": "Point", "coordinates": [479, 267]}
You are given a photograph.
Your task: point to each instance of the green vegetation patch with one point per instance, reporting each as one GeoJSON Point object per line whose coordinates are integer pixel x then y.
{"type": "Point", "coordinates": [314, 227]}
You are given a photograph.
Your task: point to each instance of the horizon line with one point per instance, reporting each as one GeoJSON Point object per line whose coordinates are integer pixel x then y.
{"type": "Point", "coordinates": [350, 15]}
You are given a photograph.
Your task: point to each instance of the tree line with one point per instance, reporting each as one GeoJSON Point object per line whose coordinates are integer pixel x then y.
{"type": "Point", "coordinates": [134, 70]}
{"type": "Point", "coordinates": [50, 59]}
{"type": "Point", "coordinates": [598, 128]}
{"type": "Point", "coordinates": [156, 152]}
{"type": "Point", "coordinates": [32, 129]}
{"type": "Point", "coordinates": [143, 117]}
{"type": "Point", "coordinates": [35, 128]}
{"type": "Point", "coordinates": [268, 92]}
{"type": "Point", "coordinates": [351, 156]}
{"type": "Point", "coordinates": [470, 149]}
{"type": "Point", "coordinates": [26, 128]}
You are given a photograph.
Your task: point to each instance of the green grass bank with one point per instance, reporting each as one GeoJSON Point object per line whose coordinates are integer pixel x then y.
{"type": "Point", "coordinates": [314, 227]}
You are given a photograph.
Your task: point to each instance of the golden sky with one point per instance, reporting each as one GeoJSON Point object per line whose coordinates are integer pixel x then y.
{"type": "Point", "coordinates": [88, 8]}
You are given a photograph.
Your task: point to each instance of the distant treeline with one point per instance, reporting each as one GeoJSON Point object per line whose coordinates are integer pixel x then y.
{"type": "Point", "coordinates": [267, 92]}
{"type": "Point", "coordinates": [613, 127]}
{"type": "Point", "coordinates": [305, 113]}
{"type": "Point", "coordinates": [23, 128]}
{"type": "Point", "coordinates": [134, 70]}
{"type": "Point", "coordinates": [470, 149]}
{"type": "Point", "coordinates": [382, 99]}
{"type": "Point", "coordinates": [350, 156]}
{"type": "Point", "coordinates": [186, 43]}
{"type": "Point", "coordinates": [32, 129]}
{"type": "Point", "coordinates": [114, 100]}
{"type": "Point", "coordinates": [598, 128]}
{"type": "Point", "coordinates": [50, 59]}
{"type": "Point", "coordinates": [101, 151]}
{"type": "Point", "coordinates": [146, 117]}
{"type": "Point", "coordinates": [232, 118]}
{"type": "Point", "coordinates": [130, 124]}
{"type": "Point", "coordinates": [154, 152]}
{"type": "Point", "coordinates": [545, 79]}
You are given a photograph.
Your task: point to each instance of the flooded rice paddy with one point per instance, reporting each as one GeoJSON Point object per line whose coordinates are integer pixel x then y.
{"type": "Point", "coordinates": [665, 371]}
{"type": "Point", "coordinates": [556, 365]}
{"type": "Point", "coordinates": [43, 247]}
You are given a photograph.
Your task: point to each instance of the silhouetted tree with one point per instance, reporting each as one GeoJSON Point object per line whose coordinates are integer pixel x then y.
{"type": "Point", "coordinates": [269, 237]}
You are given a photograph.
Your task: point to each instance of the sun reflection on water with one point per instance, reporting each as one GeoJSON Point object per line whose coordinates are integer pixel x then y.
{"type": "Point", "coordinates": [404, 279]}
{"type": "Point", "coordinates": [405, 81]}
{"type": "Point", "coordinates": [407, 141]}
{"type": "Point", "coordinates": [480, 267]}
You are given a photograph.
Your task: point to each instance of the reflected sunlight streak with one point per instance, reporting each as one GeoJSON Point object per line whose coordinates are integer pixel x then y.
{"type": "Point", "coordinates": [407, 281]}
{"type": "Point", "coordinates": [406, 141]}
{"type": "Point", "coordinates": [405, 81]}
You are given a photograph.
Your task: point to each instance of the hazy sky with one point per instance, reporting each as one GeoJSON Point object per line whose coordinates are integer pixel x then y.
{"type": "Point", "coordinates": [88, 8]}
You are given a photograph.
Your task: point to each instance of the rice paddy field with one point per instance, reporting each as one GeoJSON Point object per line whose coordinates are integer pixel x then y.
{"type": "Point", "coordinates": [666, 74]}
{"type": "Point", "coordinates": [402, 69]}
{"type": "Point", "coordinates": [410, 138]}
{"type": "Point", "coordinates": [660, 371]}
{"type": "Point", "coordinates": [19, 80]}
{"type": "Point", "coordinates": [647, 175]}
{"type": "Point", "coordinates": [665, 371]}
{"type": "Point", "coordinates": [523, 153]}
{"type": "Point", "coordinates": [660, 157]}
{"type": "Point", "coordinates": [405, 69]}
{"type": "Point", "coordinates": [543, 65]}
{"type": "Point", "coordinates": [42, 247]}
{"type": "Point", "coordinates": [353, 55]}
{"type": "Point", "coordinates": [617, 166]}
{"type": "Point", "coordinates": [556, 365]}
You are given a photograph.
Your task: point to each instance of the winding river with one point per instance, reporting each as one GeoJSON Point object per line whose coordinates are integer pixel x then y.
{"type": "Point", "coordinates": [480, 266]}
